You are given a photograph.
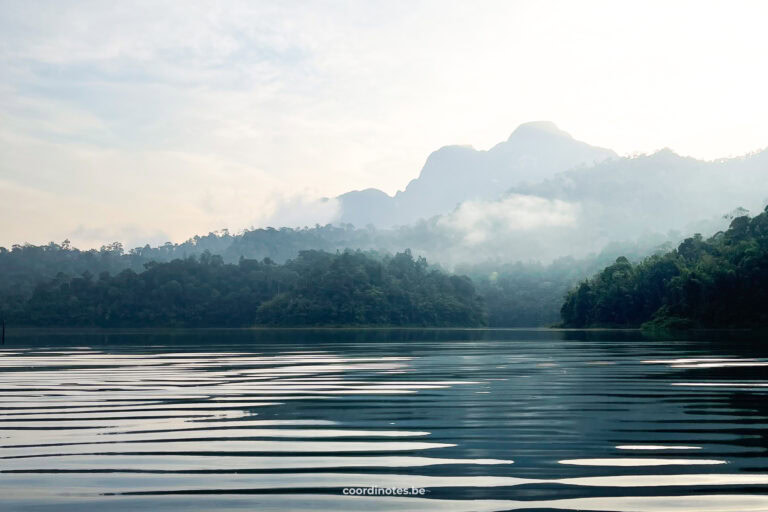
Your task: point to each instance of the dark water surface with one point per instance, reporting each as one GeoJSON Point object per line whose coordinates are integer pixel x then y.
{"type": "Point", "coordinates": [483, 420]}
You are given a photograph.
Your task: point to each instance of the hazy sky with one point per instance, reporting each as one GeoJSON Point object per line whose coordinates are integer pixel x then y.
{"type": "Point", "coordinates": [154, 121]}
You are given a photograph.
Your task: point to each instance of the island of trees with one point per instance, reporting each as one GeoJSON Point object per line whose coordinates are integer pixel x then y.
{"type": "Point", "coordinates": [316, 288]}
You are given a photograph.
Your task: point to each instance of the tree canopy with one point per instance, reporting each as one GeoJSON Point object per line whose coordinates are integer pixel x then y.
{"type": "Point", "coordinates": [718, 282]}
{"type": "Point", "coordinates": [315, 288]}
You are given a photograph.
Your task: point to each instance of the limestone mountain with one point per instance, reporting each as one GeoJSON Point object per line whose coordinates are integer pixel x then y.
{"type": "Point", "coordinates": [454, 174]}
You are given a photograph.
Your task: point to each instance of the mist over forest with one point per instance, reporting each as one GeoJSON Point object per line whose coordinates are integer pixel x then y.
{"type": "Point", "coordinates": [525, 221]}
{"type": "Point", "coordinates": [541, 195]}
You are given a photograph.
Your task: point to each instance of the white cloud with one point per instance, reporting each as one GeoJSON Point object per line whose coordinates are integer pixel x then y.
{"type": "Point", "coordinates": [479, 221]}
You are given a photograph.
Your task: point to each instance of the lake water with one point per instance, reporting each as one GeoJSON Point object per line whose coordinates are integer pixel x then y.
{"type": "Point", "coordinates": [481, 420]}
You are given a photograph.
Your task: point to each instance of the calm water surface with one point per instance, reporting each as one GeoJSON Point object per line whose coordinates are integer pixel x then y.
{"type": "Point", "coordinates": [286, 420]}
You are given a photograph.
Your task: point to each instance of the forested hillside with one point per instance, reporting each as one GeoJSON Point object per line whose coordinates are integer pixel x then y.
{"type": "Point", "coordinates": [23, 266]}
{"type": "Point", "coordinates": [516, 294]}
{"type": "Point", "coordinates": [718, 282]}
{"type": "Point", "coordinates": [316, 288]}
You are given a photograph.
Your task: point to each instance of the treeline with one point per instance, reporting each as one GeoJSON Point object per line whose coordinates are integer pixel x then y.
{"type": "Point", "coordinates": [514, 294]}
{"type": "Point", "coordinates": [315, 288]}
{"type": "Point", "coordinates": [718, 282]}
{"type": "Point", "coordinates": [23, 266]}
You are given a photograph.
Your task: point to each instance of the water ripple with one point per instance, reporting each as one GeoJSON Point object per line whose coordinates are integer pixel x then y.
{"type": "Point", "coordinates": [481, 420]}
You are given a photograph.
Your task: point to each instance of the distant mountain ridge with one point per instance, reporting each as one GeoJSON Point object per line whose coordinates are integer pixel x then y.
{"type": "Point", "coordinates": [451, 175]}
{"type": "Point", "coordinates": [642, 202]}
{"type": "Point", "coordinates": [662, 191]}
{"type": "Point", "coordinates": [542, 194]}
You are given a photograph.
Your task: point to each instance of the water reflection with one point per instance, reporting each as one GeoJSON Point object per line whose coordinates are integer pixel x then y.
{"type": "Point", "coordinates": [617, 461]}
{"type": "Point", "coordinates": [484, 420]}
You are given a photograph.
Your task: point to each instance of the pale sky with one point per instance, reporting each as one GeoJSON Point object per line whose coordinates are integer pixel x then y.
{"type": "Point", "coordinates": [154, 121]}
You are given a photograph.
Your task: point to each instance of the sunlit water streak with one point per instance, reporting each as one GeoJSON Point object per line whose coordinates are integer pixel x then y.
{"type": "Point", "coordinates": [285, 420]}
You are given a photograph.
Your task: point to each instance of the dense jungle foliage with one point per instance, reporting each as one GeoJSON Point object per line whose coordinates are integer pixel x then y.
{"type": "Point", "coordinates": [514, 294]}
{"type": "Point", "coordinates": [718, 282]}
{"type": "Point", "coordinates": [316, 288]}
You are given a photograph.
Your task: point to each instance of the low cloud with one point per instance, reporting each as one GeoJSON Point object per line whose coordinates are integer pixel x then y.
{"type": "Point", "coordinates": [478, 221]}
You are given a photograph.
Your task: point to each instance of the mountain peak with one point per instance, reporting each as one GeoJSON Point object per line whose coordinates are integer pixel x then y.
{"type": "Point", "coordinates": [454, 174]}
{"type": "Point", "coordinates": [539, 127]}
